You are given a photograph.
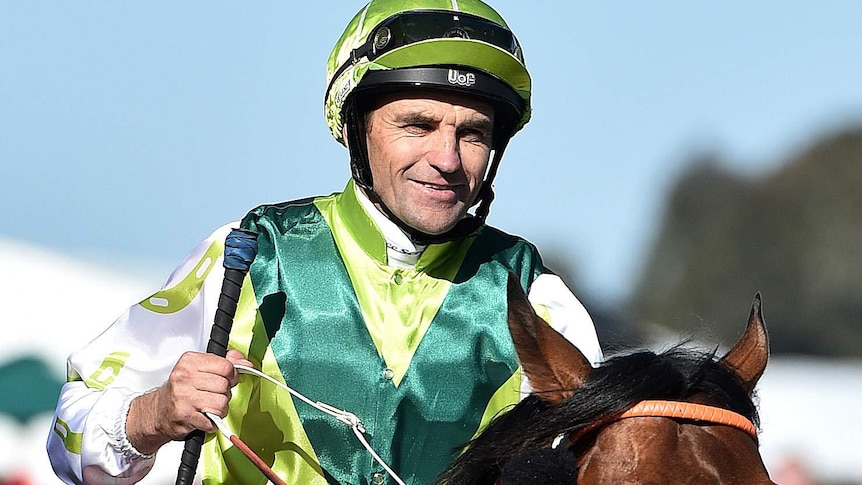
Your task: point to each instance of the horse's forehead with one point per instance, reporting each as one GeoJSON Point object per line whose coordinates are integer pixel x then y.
{"type": "Point", "coordinates": [640, 450]}
{"type": "Point", "coordinates": [641, 437]}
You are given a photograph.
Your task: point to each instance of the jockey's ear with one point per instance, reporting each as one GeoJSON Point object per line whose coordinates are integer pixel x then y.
{"type": "Point", "coordinates": [554, 366]}
{"type": "Point", "coordinates": [749, 355]}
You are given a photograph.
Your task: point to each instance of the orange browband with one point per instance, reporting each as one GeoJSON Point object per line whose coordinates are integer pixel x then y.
{"type": "Point", "coordinates": [677, 410]}
{"type": "Point", "coordinates": [691, 411]}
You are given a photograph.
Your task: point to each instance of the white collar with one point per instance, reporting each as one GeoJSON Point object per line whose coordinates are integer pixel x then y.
{"type": "Point", "coordinates": [400, 250]}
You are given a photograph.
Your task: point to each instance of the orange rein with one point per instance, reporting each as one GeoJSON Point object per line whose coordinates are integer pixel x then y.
{"type": "Point", "coordinates": [678, 410]}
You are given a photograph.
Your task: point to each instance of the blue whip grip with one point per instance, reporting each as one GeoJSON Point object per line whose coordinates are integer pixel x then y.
{"type": "Point", "coordinates": [240, 248]}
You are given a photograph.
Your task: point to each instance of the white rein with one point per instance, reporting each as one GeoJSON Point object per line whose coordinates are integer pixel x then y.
{"type": "Point", "coordinates": [345, 417]}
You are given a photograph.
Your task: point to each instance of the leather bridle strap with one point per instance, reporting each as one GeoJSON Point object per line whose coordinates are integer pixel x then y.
{"type": "Point", "coordinates": [677, 410]}
{"type": "Point", "coordinates": [693, 412]}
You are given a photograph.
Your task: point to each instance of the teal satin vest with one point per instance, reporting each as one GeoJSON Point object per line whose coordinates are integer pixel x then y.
{"type": "Point", "coordinates": [314, 321]}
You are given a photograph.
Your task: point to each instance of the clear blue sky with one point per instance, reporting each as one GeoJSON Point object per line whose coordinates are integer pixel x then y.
{"type": "Point", "coordinates": [132, 129]}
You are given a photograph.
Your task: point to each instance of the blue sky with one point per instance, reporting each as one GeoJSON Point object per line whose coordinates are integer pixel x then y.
{"type": "Point", "coordinates": [130, 130]}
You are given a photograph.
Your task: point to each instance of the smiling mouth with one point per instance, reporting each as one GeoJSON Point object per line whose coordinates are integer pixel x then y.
{"type": "Point", "coordinates": [441, 185]}
{"type": "Point", "coordinates": [438, 186]}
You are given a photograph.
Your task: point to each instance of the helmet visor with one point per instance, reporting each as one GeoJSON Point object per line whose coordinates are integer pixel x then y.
{"type": "Point", "coordinates": [416, 26]}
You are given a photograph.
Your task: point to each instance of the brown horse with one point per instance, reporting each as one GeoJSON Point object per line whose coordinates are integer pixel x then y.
{"type": "Point", "coordinates": [682, 416]}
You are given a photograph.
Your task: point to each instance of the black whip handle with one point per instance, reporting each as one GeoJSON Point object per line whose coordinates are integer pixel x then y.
{"type": "Point", "coordinates": [239, 251]}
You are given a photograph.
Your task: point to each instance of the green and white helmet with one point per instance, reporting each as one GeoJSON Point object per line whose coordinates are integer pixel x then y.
{"type": "Point", "coordinates": [462, 46]}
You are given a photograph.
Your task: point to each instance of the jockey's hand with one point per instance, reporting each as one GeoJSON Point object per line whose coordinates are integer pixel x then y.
{"type": "Point", "coordinates": [198, 383]}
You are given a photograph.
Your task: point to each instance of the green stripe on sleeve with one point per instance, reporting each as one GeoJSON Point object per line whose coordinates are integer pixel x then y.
{"type": "Point", "coordinates": [71, 440]}
{"type": "Point", "coordinates": [172, 300]}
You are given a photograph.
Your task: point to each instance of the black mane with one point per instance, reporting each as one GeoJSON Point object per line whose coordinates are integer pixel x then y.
{"type": "Point", "coordinates": [620, 382]}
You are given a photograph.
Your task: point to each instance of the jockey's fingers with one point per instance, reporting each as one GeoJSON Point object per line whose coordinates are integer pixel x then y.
{"type": "Point", "coordinates": [183, 416]}
{"type": "Point", "coordinates": [209, 383]}
{"type": "Point", "coordinates": [197, 420]}
{"type": "Point", "coordinates": [236, 357]}
{"type": "Point", "coordinates": [191, 363]}
{"type": "Point", "coordinates": [217, 404]}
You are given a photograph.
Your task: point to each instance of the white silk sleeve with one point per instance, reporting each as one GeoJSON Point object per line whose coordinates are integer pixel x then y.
{"type": "Point", "coordinates": [554, 302]}
{"type": "Point", "coordinates": [88, 443]}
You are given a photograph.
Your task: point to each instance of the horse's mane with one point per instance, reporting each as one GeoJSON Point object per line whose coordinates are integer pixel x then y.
{"type": "Point", "coordinates": [617, 384]}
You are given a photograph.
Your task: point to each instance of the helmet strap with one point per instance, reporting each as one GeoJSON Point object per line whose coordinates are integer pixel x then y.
{"type": "Point", "coordinates": [357, 144]}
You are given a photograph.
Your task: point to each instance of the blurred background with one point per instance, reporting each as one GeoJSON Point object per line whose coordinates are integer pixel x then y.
{"type": "Point", "coordinates": [681, 158]}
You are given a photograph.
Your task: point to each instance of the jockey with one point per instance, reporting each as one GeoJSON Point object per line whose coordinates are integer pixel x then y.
{"type": "Point", "coordinates": [386, 299]}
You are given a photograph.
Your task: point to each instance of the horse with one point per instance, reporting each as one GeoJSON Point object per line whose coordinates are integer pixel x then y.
{"type": "Point", "coordinates": [680, 416]}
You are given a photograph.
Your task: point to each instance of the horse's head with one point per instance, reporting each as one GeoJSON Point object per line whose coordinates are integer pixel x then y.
{"type": "Point", "coordinates": [599, 425]}
{"type": "Point", "coordinates": [645, 449]}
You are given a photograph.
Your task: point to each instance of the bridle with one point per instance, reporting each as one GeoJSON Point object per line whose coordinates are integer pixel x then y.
{"type": "Point", "coordinates": [671, 409]}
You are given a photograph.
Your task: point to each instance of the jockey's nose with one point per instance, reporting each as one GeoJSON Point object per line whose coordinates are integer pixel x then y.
{"type": "Point", "coordinates": [445, 156]}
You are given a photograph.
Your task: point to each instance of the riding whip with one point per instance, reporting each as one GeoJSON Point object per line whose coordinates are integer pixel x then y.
{"type": "Point", "coordinates": [239, 251]}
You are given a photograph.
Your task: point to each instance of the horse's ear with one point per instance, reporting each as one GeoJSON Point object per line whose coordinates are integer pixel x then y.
{"type": "Point", "coordinates": [553, 365]}
{"type": "Point", "coordinates": [749, 356]}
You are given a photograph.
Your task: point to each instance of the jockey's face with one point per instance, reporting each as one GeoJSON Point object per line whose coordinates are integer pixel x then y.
{"type": "Point", "coordinates": [428, 154]}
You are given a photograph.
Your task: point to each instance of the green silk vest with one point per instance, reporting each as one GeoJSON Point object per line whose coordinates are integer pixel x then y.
{"type": "Point", "coordinates": [422, 356]}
